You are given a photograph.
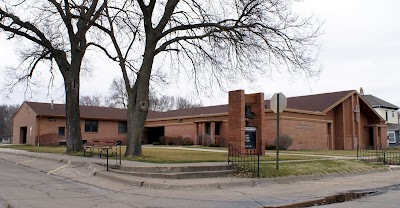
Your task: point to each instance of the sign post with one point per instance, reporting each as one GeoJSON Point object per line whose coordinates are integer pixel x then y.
{"type": "Point", "coordinates": [278, 103]}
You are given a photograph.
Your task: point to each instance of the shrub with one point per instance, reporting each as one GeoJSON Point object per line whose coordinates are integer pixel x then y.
{"type": "Point", "coordinates": [214, 145]}
{"type": "Point", "coordinates": [169, 140]}
{"type": "Point", "coordinates": [187, 141]}
{"type": "Point", "coordinates": [178, 141]}
{"type": "Point", "coordinates": [285, 141]}
{"type": "Point", "coordinates": [270, 147]}
{"type": "Point", "coordinates": [162, 140]}
{"type": "Point", "coordinates": [157, 143]}
{"type": "Point", "coordinates": [221, 141]}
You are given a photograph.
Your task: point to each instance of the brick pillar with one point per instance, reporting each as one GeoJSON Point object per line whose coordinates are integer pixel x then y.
{"type": "Point", "coordinates": [202, 131]}
{"type": "Point", "coordinates": [256, 102]}
{"type": "Point", "coordinates": [375, 136]}
{"type": "Point", "coordinates": [236, 119]}
{"type": "Point", "coordinates": [212, 132]}
{"type": "Point", "coordinates": [196, 134]}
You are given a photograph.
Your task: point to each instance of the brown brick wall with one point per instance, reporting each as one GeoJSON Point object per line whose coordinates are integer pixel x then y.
{"type": "Point", "coordinates": [48, 130]}
{"type": "Point", "coordinates": [306, 134]}
{"type": "Point", "coordinates": [107, 130]}
{"type": "Point", "coordinates": [181, 130]}
{"type": "Point", "coordinates": [25, 117]}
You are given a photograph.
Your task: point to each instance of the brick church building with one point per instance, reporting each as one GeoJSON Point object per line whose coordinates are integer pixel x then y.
{"type": "Point", "coordinates": [329, 121]}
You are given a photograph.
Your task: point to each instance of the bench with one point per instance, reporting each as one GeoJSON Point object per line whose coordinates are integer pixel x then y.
{"type": "Point", "coordinates": [100, 145]}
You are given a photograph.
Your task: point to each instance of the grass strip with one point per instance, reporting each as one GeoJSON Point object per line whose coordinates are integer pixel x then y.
{"type": "Point", "coordinates": [317, 167]}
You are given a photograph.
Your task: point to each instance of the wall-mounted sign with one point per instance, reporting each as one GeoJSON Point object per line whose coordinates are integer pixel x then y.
{"type": "Point", "coordinates": [250, 137]}
{"type": "Point", "coordinates": [305, 126]}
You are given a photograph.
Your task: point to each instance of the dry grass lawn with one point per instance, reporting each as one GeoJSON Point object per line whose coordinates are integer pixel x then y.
{"type": "Point", "coordinates": [317, 168]}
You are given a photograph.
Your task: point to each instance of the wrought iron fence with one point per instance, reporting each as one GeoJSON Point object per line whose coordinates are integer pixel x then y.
{"type": "Point", "coordinates": [244, 162]}
{"type": "Point", "coordinates": [374, 155]}
{"type": "Point", "coordinates": [391, 158]}
{"type": "Point", "coordinates": [379, 155]}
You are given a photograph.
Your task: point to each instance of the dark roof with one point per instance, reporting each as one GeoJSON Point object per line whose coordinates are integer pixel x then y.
{"type": "Point", "coordinates": [45, 109]}
{"type": "Point", "coordinates": [377, 102]}
{"type": "Point", "coordinates": [315, 103]}
{"type": "Point", "coordinates": [192, 111]}
{"type": "Point", "coordinates": [393, 127]}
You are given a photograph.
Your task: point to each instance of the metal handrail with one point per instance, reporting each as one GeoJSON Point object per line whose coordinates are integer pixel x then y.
{"type": "Point", "coordinates": [118, 157]}
{"type": "Point", "coordinates": [244, 162]}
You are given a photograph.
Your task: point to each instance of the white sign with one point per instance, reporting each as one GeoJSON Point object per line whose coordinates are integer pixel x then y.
{"type": "Point", "coordinates": [273, 102]}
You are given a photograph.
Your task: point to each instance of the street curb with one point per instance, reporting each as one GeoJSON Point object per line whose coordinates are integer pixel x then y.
{"type": "Point", "coordinates": [179, 183]}
{"type": "Point", "coordinates": [39, 156]}
{"type": "Point", "coordinates": [225, 182]}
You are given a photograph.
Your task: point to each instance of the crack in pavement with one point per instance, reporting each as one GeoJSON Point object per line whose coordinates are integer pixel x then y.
{"type": "Point", "coordinates": [5, 203]}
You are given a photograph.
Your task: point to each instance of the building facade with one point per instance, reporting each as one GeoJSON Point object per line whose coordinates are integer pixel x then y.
{"type": "Point", "coordinates": [389, 113]}
{"type": "Point", "coordinates": [330, 121]}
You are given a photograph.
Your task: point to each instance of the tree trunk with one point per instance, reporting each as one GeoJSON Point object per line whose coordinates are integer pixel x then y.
{"type": "Point", "coordinates": [74, 140]}
{"type": "Point", "coordinates": [138, 105]}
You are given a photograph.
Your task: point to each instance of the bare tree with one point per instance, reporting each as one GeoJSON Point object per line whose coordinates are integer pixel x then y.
{"type": "Point", "coordinates": [57, 32]}
{"type": "Point", "coordinates": [119, 99]}
{"type": "Point", "coordinates": [119, 96]}
{"type": "Point", "coordinates": [183, 103]}
{"type": "Point", "coordinates": [6, 120]}
{"type": "Point", "coordinates": [94, 100]}
{"type": "Point", "coordinates": [161, 103]}
{"type": "Point", "coordinates": [211, 40]}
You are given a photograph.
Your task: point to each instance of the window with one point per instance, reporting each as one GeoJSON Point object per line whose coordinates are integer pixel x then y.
{"type": "Point", "coordinates": [61, 131]}
{"type": "Point", "coordinates": [392, 114]}
{"type": "Point", "coordinates": [386, 113]}
{"type": "Point", "coordinates": [391, 137]}
{"type": "Point", "coordinates": [91, 126]}
{"type": "Point", "coordinates": [122, 127]}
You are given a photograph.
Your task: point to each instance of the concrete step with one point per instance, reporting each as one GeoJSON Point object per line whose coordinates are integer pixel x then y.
{"type": "Point", "coordinates": [176, 172]}
{"type": "Point", "coordinates": [180, 175]}
{"type": "Point", "coordinates": [174, 169]}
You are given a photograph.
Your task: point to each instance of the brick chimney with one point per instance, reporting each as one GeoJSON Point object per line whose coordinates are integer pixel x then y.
{"type": "Point", "coordinates": [361, 91]}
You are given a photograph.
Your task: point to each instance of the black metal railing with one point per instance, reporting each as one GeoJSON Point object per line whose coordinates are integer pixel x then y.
{"type": "Point", "coordinates": [378, 155]}
{"type": "Point", "coordinates": [244, 162]}
{"type": "Point", "coordinates": [117, 154]}
{"type": "Point", "coordinates": [391, 158]}
{"type": "Point", "coordinates": [370, 155]}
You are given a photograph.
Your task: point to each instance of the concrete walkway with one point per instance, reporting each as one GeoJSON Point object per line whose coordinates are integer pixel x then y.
{"type": "Point", "coordinates": [337, 157]}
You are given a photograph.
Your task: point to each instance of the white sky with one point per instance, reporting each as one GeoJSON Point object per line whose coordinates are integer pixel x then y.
{"type": "Point", "coordinates": [361, 49]}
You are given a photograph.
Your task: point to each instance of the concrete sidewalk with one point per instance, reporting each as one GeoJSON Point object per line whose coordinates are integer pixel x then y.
{"type": "Point", "coordinates": [31, 158]}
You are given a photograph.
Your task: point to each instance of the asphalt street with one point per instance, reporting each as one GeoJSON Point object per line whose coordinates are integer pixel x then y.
{"type": "Point", "coordinates": [43, 180]}
{"type": "Point", "coordinates": [26, 187]}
